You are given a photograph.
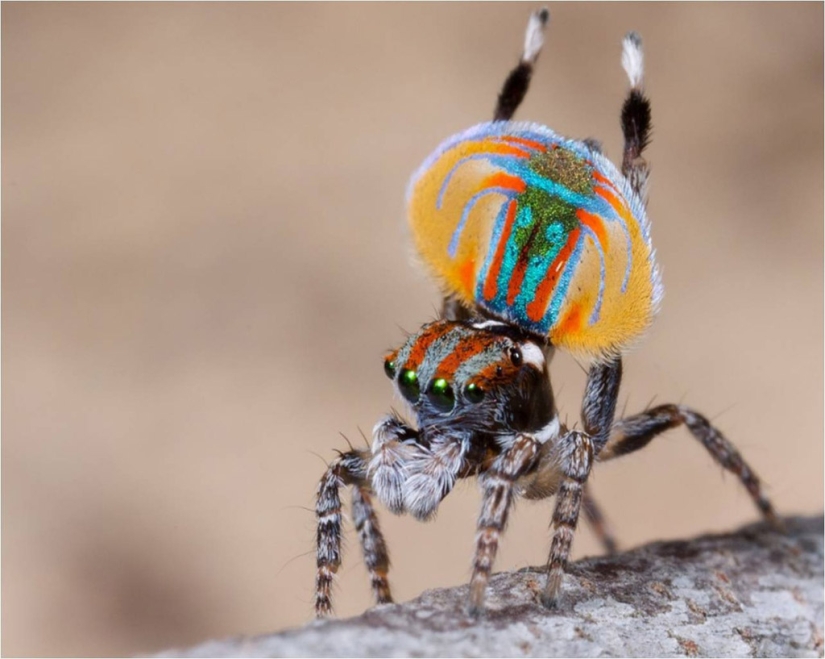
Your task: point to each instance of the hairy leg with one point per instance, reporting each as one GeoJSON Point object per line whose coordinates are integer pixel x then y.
{"type": "Point", "coordinates": [516, 85]}
{"type": "Point", "coordinates": [594, 517]}
{"type": "Point", "coordinates": [635, 432]}
{"type": "Point", "coordinates": [576, 452]}
{"type": "Point", "coordinates": [348, 469]}
{"type": "Point", "coordinates": [498, 487]}
{"type": "Point", "coordinates": [635, 115]}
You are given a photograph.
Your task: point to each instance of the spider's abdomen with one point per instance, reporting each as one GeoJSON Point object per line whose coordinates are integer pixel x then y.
{"type": "Point", "coordinates": [539, 231]}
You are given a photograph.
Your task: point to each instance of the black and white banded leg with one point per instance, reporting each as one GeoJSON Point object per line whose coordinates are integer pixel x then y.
{"type": "Point", "coordinates": [498, 494]}
{"type": "Point", "coordinates": [348, 469]}
{"type": "Point", "coordinates": [635, 432]}
{"type": "Point", "coordinates": [577, 451]}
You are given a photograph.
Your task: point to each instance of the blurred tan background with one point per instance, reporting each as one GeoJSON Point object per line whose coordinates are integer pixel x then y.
{"type": "Point", "coordinates": [204, 259]}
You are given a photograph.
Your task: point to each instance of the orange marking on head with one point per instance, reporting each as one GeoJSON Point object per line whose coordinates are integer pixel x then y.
{"type": "Point", "coordinates": [596, 224]}
{"type": "Point", "coordinates": [491, 285]}
{"type": "Point", "coordinates": [466, 348]}
{"type": "Point", "coordinates": [537, 308]}
{"type": "Point", "coordinates": [419, 349]}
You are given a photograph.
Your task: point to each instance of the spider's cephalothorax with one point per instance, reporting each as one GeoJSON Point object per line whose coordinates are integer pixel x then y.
{"type": "Point", "coordinates": [538, 242]}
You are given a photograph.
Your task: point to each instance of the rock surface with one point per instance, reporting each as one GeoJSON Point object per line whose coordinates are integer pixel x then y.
{"type": "Point", "coordinates": [752, 593]}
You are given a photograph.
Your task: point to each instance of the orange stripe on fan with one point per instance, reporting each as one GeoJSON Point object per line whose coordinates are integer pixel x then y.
{"type": "Point", "coordinates": [490, 285]}
{"type": "Point", "coordinates": [537, 308]}
{"type": "Point", "coordinates": [595, 223]}
{"type": "Point", "coordinates": [502, 180]}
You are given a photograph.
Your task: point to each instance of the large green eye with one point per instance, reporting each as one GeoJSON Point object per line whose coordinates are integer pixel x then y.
{"type": "Point", "coordinates": [389, 368]}
{"type": "Point", "coordinates": [441, 395]}
{"type": "Point", "coordinates": [408, 384]}
{"type": "Point", "coordinates": [474, 393]}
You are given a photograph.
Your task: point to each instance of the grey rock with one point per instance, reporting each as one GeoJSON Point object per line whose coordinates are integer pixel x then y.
{"type": "Point", "coordinates": [753, 593]}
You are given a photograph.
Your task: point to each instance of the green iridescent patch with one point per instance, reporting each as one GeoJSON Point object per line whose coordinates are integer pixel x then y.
{"type": "Point", "coordinates": [565, 168]}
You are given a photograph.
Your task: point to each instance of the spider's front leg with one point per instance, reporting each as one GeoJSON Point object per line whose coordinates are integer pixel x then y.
{"type": "Point", "coordinates": [498, 485]}
{"type": "Point", "coordinates": [576, 451]}
{"type": "Point", "coordinates": [348, 469]}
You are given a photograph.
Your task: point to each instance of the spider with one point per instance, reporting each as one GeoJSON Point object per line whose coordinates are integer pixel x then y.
{"type": "Point", "coordinates": [539, 243]}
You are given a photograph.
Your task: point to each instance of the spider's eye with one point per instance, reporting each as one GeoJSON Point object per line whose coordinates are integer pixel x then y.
{"type": "Point", "coordinates": [474, 393]}
{"type": "Point", "coordinates": [516, 357]}
{"type": "Point", "coordinates": [389, 368]}
{"type": "Point", "coordinates": [408, 384]}
{"type": "Point", "coordinates": [441, 395]}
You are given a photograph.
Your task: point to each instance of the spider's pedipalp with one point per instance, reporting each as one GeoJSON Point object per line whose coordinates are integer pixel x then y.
{"type": "Point", "coordinates": [393, 448]}
{"type": "Point", "coordinates": [432, 475]}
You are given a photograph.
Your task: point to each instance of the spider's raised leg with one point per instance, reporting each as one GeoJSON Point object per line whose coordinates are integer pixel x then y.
{"type": "Point", "coordinates": [635, 115]}
{"type": "Point", "coordinates": [636, 432]}
{"type": "Point", "coordinates": [348, 469]}
{"type": "Point", "coordinates": [577, 451]}
{"type": "Point", "coordinates": [498, 487]}
{"type": "Point", "coordinates": [594, 516]}
{"type": "Point", "coordinates": [516, 85]}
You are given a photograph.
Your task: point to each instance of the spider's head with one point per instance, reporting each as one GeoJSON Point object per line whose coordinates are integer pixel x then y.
{"type": "Point", "coordinates": [474, 377]}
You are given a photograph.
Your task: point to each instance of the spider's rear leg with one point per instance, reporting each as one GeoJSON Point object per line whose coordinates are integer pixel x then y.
{"type": "Point", "coordinates": [348, 469]}
{"type": "Point", "coordinates": [635, 432]}
{"type": "Point", "coordinates": [498, 484]}
{"type": "Point", "coordinates": [594, 516]}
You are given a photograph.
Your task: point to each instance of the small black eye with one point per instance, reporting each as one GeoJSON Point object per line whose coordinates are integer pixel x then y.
{"type": "Point", "coordinates": [516, 357]}
{"type": "Point", "coordinates": [408, 384]}
{"type": "Point", "coordinates": [389, 368]}
{"type": "Point", "coordinates": [474, 393]}
{"type": "Point", "coordinates": [441, 395]}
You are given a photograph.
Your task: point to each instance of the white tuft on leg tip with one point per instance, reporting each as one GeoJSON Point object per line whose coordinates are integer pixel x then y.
{"type": "Point", "coordinates": [534, 37]}
{"type": "Point", "coordinates": [633, 59]}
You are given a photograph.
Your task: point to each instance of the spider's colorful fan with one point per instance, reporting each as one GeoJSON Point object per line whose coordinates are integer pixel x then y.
{"type": "Point", "coordinates": [539, 231]}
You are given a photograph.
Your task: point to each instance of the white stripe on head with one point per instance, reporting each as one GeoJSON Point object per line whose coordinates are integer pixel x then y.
{"type": "Point", "coordinates": [532, 354]}
{"type": "Point", "coordinates": [488, 323]}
